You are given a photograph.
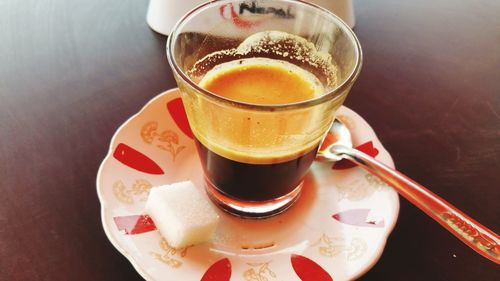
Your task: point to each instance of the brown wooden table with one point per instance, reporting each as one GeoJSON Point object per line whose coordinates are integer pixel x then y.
{"type": "Point", "coordinates": [72, 71]}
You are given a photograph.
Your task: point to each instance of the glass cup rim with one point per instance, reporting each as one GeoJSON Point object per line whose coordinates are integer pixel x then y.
{"type": "Point", "coordinates": [331, 94]}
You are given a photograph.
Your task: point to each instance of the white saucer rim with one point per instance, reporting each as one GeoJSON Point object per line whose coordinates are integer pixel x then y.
{"type": "Point", "coordinates": [109, 154]}
{"type": "Point", "coordinates": [390, 228]}
{"type": "Point", "coordinates": [378, 252]}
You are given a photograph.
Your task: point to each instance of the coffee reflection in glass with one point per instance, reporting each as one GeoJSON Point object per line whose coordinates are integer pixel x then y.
{"type": "Point", "coordinates": [261, 82]}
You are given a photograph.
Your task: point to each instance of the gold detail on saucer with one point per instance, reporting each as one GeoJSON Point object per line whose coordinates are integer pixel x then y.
{"type": "Point", "coordinates": [120, 191]}
{"type": "Point", "coordinates": [170, 255]}
{"type": "Point", "coordinates": [360, 188]}
{"type": "Point", "coordinates": [333, 246]}
{"type": "Point", "coordinates": [375, 181]}
{"type": "Point", "coordinates": [355, 190]}
{"type": "Point", "coordinates": [259, 272]}
{"type": "Point", "coordinates": [167, 140]}
{"type": "Point", "coordinates": [148, 131]}
{"type": "Point", "coordinates": [126, 195]}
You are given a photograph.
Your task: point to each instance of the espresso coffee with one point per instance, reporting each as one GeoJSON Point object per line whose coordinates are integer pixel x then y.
{"type": "Point", "coordinates": [253, 156]}
{"type": "Point", "coordinates": [257, 81]}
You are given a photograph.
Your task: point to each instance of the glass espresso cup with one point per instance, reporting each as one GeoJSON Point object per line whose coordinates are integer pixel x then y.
{"type": "Point", "coordinates": [261, 82]}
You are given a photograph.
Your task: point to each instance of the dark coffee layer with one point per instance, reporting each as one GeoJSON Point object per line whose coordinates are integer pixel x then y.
{"type": "Point", "coordinates": [254, 182]}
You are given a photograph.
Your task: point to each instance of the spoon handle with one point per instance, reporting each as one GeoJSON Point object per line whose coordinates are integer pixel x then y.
{"type": "Point", "coordinates": [478, 237]}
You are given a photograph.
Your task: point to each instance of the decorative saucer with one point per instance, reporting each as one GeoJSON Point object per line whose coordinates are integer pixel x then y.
{"type": "Point", "coordinates": [337, 230]}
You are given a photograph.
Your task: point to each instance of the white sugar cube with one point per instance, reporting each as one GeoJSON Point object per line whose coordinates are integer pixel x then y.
{"type": "Point", "coordinates": [182, 214]}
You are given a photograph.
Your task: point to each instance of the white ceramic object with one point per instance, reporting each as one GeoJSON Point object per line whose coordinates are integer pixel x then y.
{"type": "Point", "coordinates": [342, 8]}
{"type": "Point", "coordinates": [337, 229]}
{"type": "Point", "coordinates": [163, 14]}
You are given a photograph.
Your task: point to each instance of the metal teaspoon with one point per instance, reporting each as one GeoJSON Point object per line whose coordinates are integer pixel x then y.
{"type": "Point", "coordinates": [473, 234]}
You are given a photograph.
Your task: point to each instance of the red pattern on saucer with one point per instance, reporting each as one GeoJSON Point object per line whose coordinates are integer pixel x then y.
{"type": "Point", "coordinates": [219, 271]}
{"type": "Point", "coordinates": [135, 224]}
{"type": "Point", "coordinates": [308, 270]}
{"type": "Point", "coordinates": [136, 160]}
{"type": "Point", "coordinates": [178, 112]}
{"type": "Point", "coordinates": [358, 217]}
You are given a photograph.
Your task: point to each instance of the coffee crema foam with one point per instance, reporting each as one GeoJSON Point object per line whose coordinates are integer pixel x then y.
{"type": "Point", "coordinates": [276, 45]}
{"type": "Point", "coordinates": [270, 67]}
{"type": "Point", "coordinates": [262, 81]}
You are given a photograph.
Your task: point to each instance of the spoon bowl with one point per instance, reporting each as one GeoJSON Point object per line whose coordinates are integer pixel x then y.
{"type": "Point", "coordinates": [341, 136]}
